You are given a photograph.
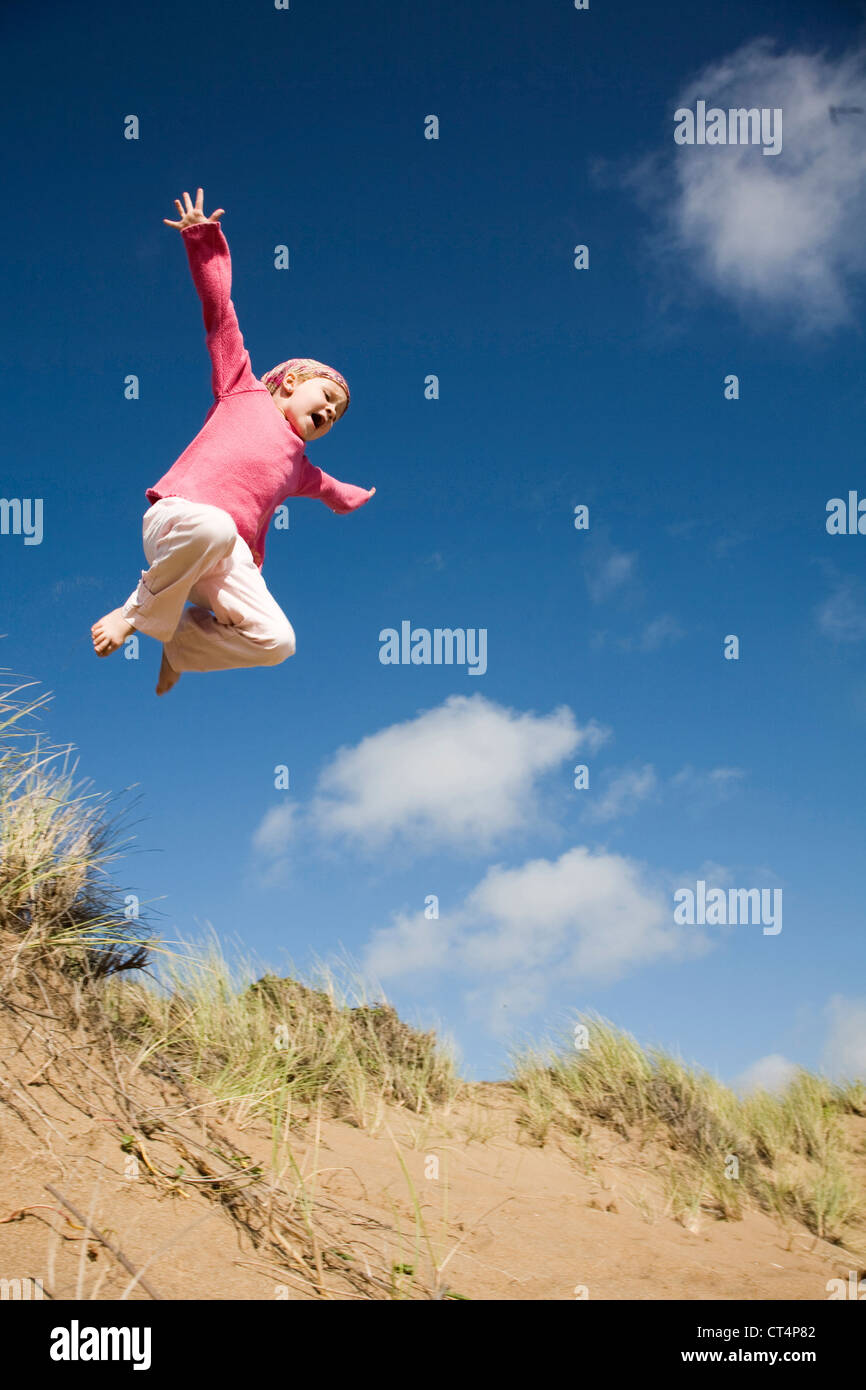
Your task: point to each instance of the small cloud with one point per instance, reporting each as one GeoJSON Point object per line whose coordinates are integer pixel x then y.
{"type": "Point", "coordinates": [626, 790]}
{"type": "Point", "coordinates": [842, 617]}
{"type": "Point", "coordinates": [717, 783]}
{"type": "Point", "coordinates": [464, 774]}
{"type": "Point", "coordinates": [843, 1057]}
{"type": "Point", "coordinates": [609, 575]}
{"type": "Point", "coordinates": [724, 776]}
{"type": "Point", "coordinates": [623, 794]}
{"type": "Point", "coordinates": [275, 830]}
{"type": "Point", "coordinates": [845, 1048]}
{"type": "Point", "coordinates": [772, 1073]}
{"type": "Point", "coordinates": [271, 841]}
{"type": "Point", "coordinates": [585, 917]}
{"type": "Point", "coordinates": [413, 944]}
{"type": "Point", "coordinates": [776, 233]}
{"type": "Point", "coordinates": [661, 632]}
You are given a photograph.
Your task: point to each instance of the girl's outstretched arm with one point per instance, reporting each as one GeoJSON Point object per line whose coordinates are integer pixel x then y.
{"type": "Point", "coordinates": [211, 267]}
{"type": "Point", "coordinates": [339, 497]}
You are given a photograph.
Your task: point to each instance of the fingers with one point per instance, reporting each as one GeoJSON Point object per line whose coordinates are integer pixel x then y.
{"type": "Point", "coordinates": [191, 213]}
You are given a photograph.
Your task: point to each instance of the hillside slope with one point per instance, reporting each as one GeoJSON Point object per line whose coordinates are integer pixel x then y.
{"type": "Point", "coordinates": [205, 1204]}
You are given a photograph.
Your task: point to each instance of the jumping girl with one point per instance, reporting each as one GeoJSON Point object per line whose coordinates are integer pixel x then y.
{"type": "Point", "coordinates": [204, 534]}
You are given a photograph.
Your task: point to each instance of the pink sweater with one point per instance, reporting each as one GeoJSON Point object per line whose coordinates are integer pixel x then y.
{"type": "Point", "coordinates": [247, 458]}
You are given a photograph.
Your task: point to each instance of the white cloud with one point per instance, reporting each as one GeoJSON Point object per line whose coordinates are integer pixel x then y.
{"type": "Point", "coordinates": [717, 783]}
{"type": "Point", "coordinates": [724, 777]}
{"type": "Point", "coordinates": [842, 617]}
{"type": "Point", "coordinates": [607, 574]}
{"type": "Point", "coordinates": [626, 789]}
{"type": "Point", "coordinates": [624, 793]}
{"type": "Point", "coordinates": [843, 1058]}
{"type": "Point", "coordinates": [271, 840]}
{"type": "Point", "coordinates": [464, 772]}
{"type": "Point", "coordinates": [661, 631]}
{"type": "Point", "coordinates": [845, 1048]}
{"type": "Point", "coordinates": [411, 945]}
{"type": "Point", "coordinates": [781, 232]}
{"type": "Point", "coordinates": [585, 917]}
{"type": "Point", "coordinates": [772, 1073]}
{"type": "Point", "coordinates": [275, 830]}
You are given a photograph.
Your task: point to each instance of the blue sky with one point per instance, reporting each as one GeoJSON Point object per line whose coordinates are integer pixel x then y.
{"type": "Point", "coordinates": [454, 257]}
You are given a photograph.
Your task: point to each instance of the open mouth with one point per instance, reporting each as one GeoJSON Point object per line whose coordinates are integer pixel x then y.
{"type": "Point", "coordinates": [317, 419]}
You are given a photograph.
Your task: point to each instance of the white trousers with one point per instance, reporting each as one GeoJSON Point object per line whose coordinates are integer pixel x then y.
{"type": "Point", "coordinates": [195, 553]}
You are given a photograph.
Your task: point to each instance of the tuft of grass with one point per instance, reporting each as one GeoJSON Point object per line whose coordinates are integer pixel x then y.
{"type": "Point", "coordinates": [57, 906]}
{"type": "Point", "coordinates": [786, 1153]}
{"type": "Point", "coordinates": [544, 1100]}
{"type": "Point", "coordinates": [272, 1043]}
{"type": "Point", "coordinates": [700, 1114]}
{"type": "Point", "coordinates": [850, 1097]}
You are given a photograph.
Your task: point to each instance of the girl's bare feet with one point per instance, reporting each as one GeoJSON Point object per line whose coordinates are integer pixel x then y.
{"type": "Point", "coordinates": [168, 676]}
{"type": "Point", "coordinates": [110, 632]}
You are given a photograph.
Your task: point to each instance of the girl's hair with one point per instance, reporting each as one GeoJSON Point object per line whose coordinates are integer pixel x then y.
{"type": "Point", "coordinates": [303, 367]}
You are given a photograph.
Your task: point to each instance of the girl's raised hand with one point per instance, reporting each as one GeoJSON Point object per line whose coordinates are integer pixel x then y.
{"type": "Point", "coordinates": [192, 213]}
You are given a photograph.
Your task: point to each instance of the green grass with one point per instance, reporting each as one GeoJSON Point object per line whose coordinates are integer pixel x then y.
{"type": "Point", "coordinates": [789, 1151]}
{"type": "Point", "coordinates": [58, 906]}
{"type": "Point", "coordinates": [269, 1042]}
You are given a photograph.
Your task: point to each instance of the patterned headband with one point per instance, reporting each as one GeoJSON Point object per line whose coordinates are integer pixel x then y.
{"type": "Point", "coordinates": [304, 368]}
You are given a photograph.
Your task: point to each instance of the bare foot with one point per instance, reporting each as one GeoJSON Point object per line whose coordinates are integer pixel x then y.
{"type": "Point", "coordinates": [168, 676]}
{"type": "Point", "coordinates": [110, 632]}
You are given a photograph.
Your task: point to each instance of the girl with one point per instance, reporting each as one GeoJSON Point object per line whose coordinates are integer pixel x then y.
{"type": "Point", "coordinates": [204, 534]}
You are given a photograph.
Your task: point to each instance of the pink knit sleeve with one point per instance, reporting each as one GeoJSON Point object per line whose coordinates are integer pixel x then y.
{"type": "Point", "coordinates": [340, 497]}
{"type": "Point", "coordinates": [211, 267]}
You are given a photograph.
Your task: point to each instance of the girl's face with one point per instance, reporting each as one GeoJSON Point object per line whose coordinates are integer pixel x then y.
{"type": "Point", "coordinates": [313, 405]}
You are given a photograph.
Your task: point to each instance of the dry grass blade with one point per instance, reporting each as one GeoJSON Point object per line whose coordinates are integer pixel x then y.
{"type": "Point", "coordinates": [103, 1239]}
